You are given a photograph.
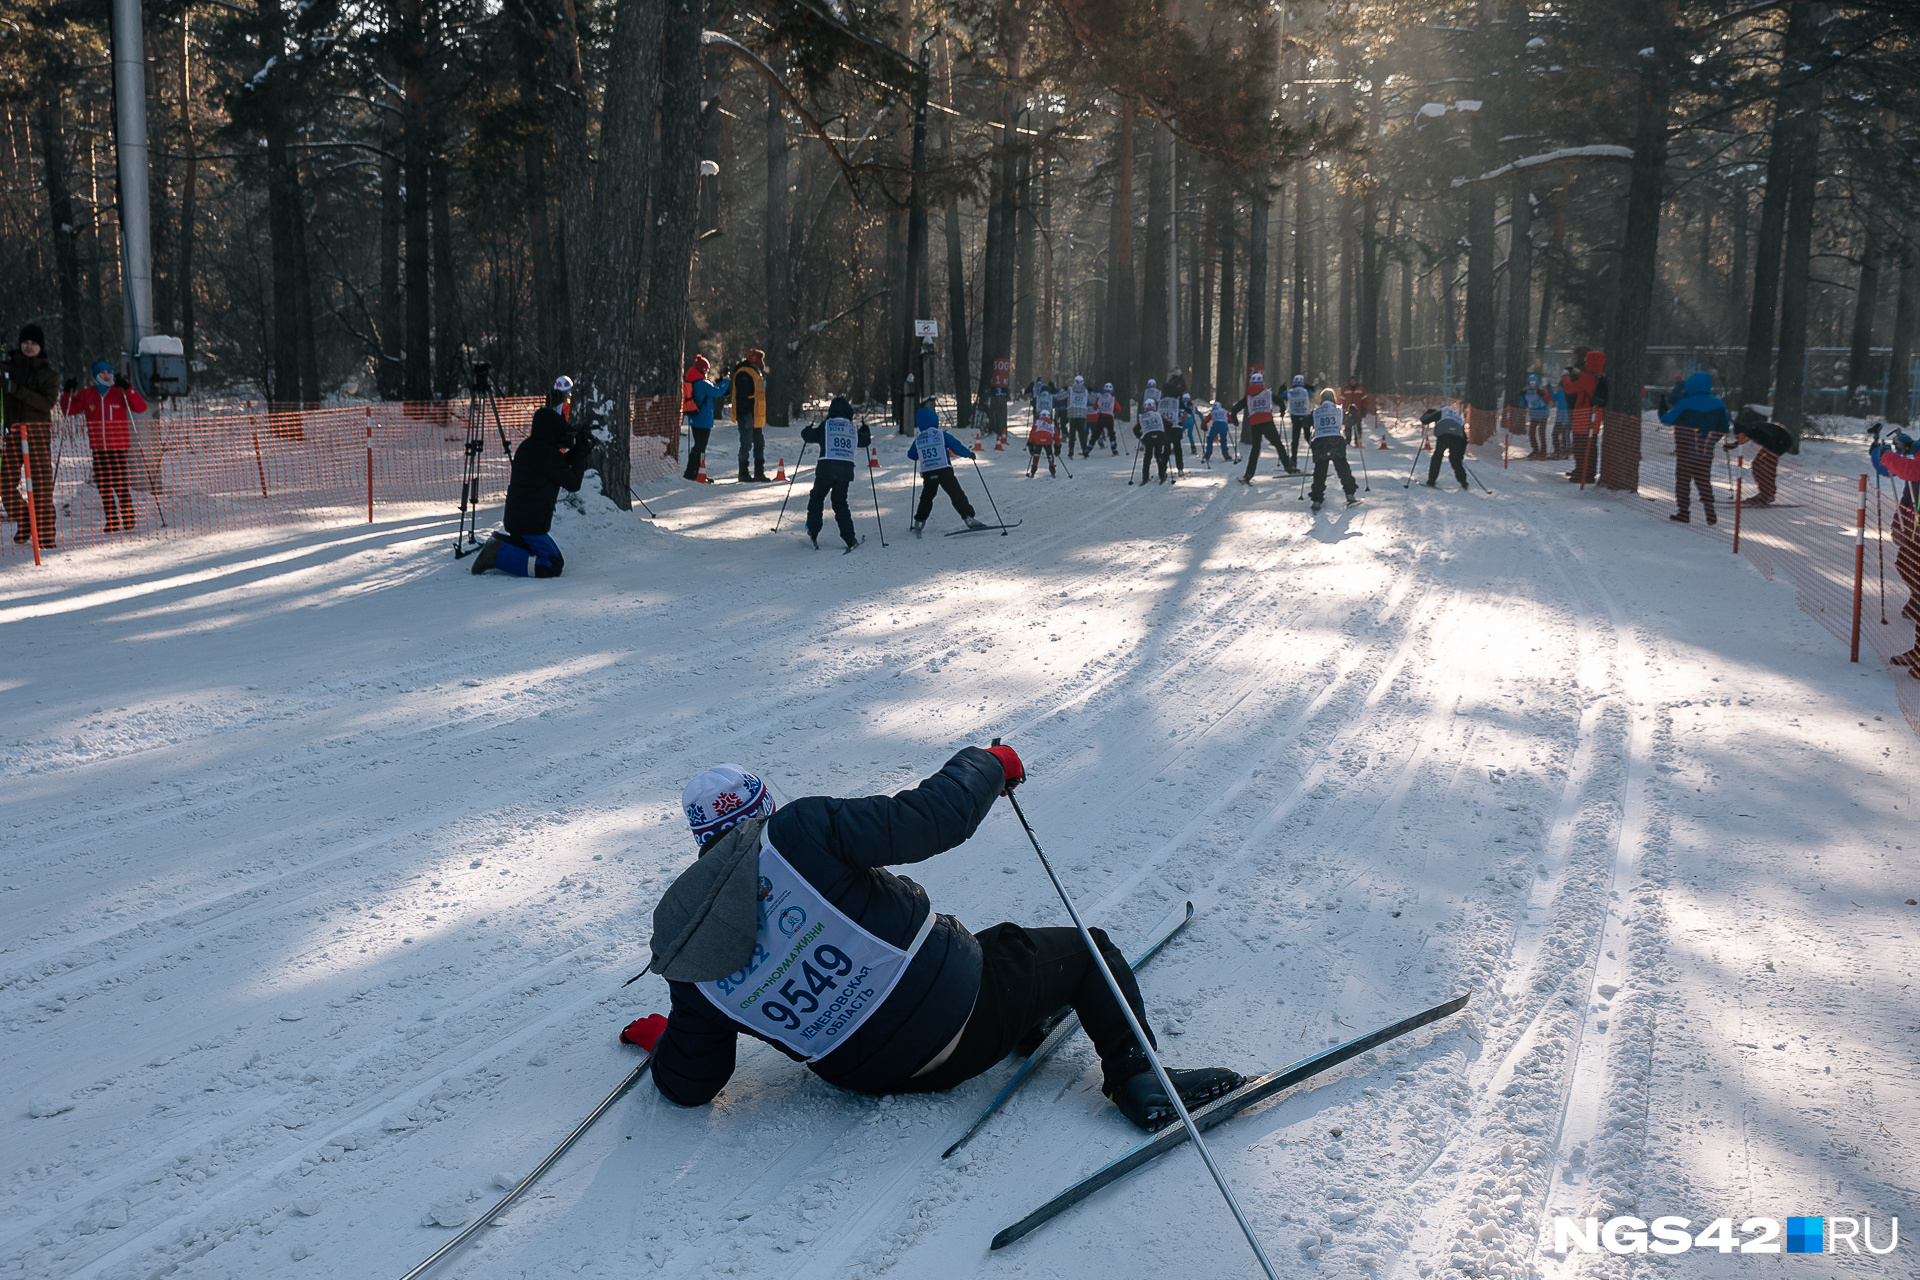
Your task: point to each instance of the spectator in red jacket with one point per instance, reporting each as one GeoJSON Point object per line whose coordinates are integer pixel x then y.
{"type": "Point", "coordinates": [109, 404]}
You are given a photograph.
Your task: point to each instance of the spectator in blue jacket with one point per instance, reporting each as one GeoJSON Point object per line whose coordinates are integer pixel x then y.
{"type": "Point", "coordinates": [696, 405]}
{"type": "Point", "coordinates": [933, 450]}
{"type": "Point", "coordinates": [1700, 421]}
{"type": "Point", "coordinates": [790, 929]}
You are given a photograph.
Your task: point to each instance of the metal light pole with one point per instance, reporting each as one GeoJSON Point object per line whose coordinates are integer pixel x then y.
{"type": "Point", "coordinates": [130, 150]}
{"type": "Point", "coordinates": [1173, 250]}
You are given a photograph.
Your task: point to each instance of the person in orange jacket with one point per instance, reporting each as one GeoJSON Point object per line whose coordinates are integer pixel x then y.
{"type": "Point", "coordinates": [1586, 391]}
{"type": "Point", "coordinates": [109, 404]}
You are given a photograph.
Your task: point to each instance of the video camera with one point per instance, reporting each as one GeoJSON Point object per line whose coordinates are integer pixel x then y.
{"type": "Point", "coordinates": [482, 379]}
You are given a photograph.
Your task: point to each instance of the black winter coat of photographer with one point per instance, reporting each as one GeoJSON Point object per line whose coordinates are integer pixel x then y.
{"type": "Point", "coordinates": [555, 455]}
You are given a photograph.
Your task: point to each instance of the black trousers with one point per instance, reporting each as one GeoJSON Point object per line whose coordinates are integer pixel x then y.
{"type": "Point", "coordinates": [933, 481]}
{"type": "Point", "coordinates": [1153, 448]}
{"type": "Point", "coordinates": [110, 478]}
{"type": "Point", "coordinates": [698, 452]}
{"type": "Point", "coordinates": [1170, 442]}
{"type": "Point", "coordinates": [1302, 427]}
{"type": "Point", "coordinates": [1077, 435]}
{"type": "Point", "coordinates": [1330, 449]}
{"type": "Point", "coordinates": [1256, 433]}
{"type": "Point", "coordinates": [1028, 976]}
{"type": "Point", "coordinates": [1444, 447]}
{"type": "Point", "coordinates": [831, 479]}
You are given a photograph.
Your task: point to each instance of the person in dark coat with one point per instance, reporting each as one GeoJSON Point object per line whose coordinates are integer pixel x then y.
{"type": "Point", "coordinates": [750, 415]}
{"type": "Point", "coordinates": [1773, 441]}
{"type": "Point", "coordinates": [554, 456]}
{"type": "Point", "coordinates": [840, 444]}
{"type": "Point", "coordinates": [791, 929]}
{"type": "Point", "coordinates": [1449, 442]}
{"type": "Point", "coordinates": [1699, 419]}
{"type": "Point", "coordinates": [32, 389]}
{"type": "Point", "coordinates": [1895, 458]}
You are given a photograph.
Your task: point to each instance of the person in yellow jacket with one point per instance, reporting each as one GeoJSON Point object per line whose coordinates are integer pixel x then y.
{"type": "Point", "coordinates": [750, 414]}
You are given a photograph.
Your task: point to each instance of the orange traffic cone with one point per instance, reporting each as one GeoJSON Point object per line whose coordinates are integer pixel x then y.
{"type": "Point", "coordinates": [976, 442]}
{"type": "Point", "coordinates": [702, 477]}
{"type": "Point", "coordinates": [999, 444]}
{"type": "Point", "coordinates": [1383, 437]}
{"type": "Point", "coordinates": [781, 474]}
{"type": "Point", "coordinates": [873, 456]}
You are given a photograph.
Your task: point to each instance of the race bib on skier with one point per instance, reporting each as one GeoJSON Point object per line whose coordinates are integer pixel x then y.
{"type": "Point", "coordinates": [841, 439]}
{"type": "Point", "coordinates": [1077, 402]}
{"type": "Point", "coordinates": [815, 976]}
{"type": "Point", "coordinates": [1451, 423]}
{"type": "Point", "coordinates": [1042, 433]}
{"type": "Point", "coordinates": [1106, 403]}
{"type": "Point", "coordinates": [1327, 421]}
{"type": "Point", "coordinates": [1297, 401]}
{"type": "Point", "coordinates": [930, 447]}
{"type": "Point", "coordinates": [1260, 406]}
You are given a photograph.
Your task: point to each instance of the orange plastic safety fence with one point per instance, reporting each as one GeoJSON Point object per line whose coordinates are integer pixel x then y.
{"type": "Point", "coordinates": [201, 468]}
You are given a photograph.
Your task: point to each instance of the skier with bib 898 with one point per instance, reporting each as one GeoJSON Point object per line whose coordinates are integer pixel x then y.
{"type": "Point", "coordinates": [933, 450]}
{"type": "Point", "coordinates": [790, 929]}
{"type": "Point", "coordinates": [840, 444]}
{"type": "Point", "coordinates": [1330, 446]}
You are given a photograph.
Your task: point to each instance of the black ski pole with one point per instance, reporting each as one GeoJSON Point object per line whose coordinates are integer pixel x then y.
{"type": "Point", "coordinates": [1880, 545]}
{"type": "Point", "coordinates": [790, 479]}
{"type": "Point", "coordinates": [1140, 1037]}
{"type": "Point", "coordinates": [1063, 461]}
{"type": "Point", "coordinates": [874, 484]}
{"type": "Point", "coordinates": [1410, 470]}
{"type": "Point", "coordinates": [1476, 479]}
{"type": "Point", "coordinates": [1364, 472]}
{"type": "Point", "coordinates": [998, 518]}
{"type": "Point", "coordinates": [486, 1219]}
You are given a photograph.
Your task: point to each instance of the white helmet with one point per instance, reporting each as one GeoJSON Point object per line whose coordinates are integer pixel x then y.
{"type": "Point", "coordinates": [1078, 380]}
{"type": "Point", "coordinates": [1257, 377]}
{"type": "Point", "coordinates": [1107, 387]}
{"type": "Point", "coordinates": [563, 384]}
{"type": "Point", "coordinates": [1326, 395]}
{"type": "Point", "coordinates": [1299, 381]}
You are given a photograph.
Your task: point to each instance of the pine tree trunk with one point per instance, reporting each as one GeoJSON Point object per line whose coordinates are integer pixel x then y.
{"type": "Point", "coordinates": [1153, 293]}
{"type": "Point", "coordinates": [447, 347]}
{"type": "Point", "coordinates": [1796, 268]}
{"type": "Point", "coordinates": [609, 269]}
{"type": "Point", "coordinates": [1860, 351]}
{"type": "Point", "coordinates": [956, 261]}
{"type": "Point", "coordinates": [1121, 317]}
{"type": "Point", "coordinates": [1737, 278]}
{"type": "Point", "coordinates": [63, 221]}
{"type": "Point", "coordinates": [1230, 374]}
{"type": "Point", "coordinates": [1906, 320]}
{"type": "Point", "coordinates": [418, 383]}
{"type": "Point", "coordinates": [779, 273]}
{"type": "Point", "coordinates": [1258, 234]}
{"type": "Point", "coordinates": [1026, 295]}
{"type": "Point", "coordinates": [390, 370]}
{"type": "Point", "coordinates": [1639, 257]}
{"type": "Point", "coordinates": [685, 111]}
{"type": "Point", "coordinates": [189, 195]}
{"type": "Point", "coordinates": [1519, 295]}
{"type": "Point", "coordinates": [1366, 363]}
{"type": "Point", "coordinates": [1297, 362]}
{"type": "Point", "coordinates": [1756, 374]}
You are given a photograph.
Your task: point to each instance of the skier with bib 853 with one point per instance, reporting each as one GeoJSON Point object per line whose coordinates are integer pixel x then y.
{"type": "Point", "coordinates": [1330, 446]}
{"type": "Point", "coordinates": [840, 443]}
{"type": "Point", "coordinates": [1300, 415]}
{"type": "Point", "coordinates": [933, 451]}
{"type": "Point", "coordinates": [1079, 400]}
{"type": "Point", "coordinates": [790, 929]}
{"type": "Point", "coordinates": [1449, 441]}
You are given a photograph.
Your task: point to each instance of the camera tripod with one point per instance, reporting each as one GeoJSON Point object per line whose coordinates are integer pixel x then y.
{"type": "Point", "coordinates": [481, 396]}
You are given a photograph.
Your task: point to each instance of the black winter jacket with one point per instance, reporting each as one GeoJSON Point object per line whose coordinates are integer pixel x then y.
{"type": "Point", "coordinates": [541, 468]}
{"type": "Point", "coordinates": [842, 848]}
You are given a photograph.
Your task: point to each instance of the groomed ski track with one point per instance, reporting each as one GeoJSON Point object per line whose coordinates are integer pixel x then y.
{"type": "Point", "coordinates": [325, 863]}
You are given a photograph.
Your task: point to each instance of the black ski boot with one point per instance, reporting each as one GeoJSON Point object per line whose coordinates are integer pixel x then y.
{"type": "Point", "coordinates": [488, 553]}
{"type": "Point", "coordinates": [1142, 1100]}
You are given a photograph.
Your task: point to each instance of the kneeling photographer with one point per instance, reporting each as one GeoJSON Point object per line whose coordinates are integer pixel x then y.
{"type": "Point", "coordinates": [555, 455]}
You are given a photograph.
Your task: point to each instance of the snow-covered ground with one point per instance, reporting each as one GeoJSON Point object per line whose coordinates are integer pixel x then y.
{"type": "Point", "coordinates": [325, 862]}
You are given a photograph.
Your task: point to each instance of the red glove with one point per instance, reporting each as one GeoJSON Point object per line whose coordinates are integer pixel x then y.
{"type": "Point", "coordinates": [645, 1032]}
{"type": "Point", "coordinates": [1010, 765]}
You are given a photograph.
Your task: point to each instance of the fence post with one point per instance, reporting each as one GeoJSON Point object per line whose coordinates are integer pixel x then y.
{"type": "Point", "coordinates": [369, 466]}
{"type": "Point", "coordinates": [1859, 565]}
{"type": "Point", "coordinates": [33, 498]}
{"type": "Point", "coordinates": [260, 465]}
{"type": "Point", "coordinates": [1739, 489]}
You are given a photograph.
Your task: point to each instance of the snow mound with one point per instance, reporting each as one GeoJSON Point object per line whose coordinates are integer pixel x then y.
{"type": "Point", "coordinates": [42, 1107]}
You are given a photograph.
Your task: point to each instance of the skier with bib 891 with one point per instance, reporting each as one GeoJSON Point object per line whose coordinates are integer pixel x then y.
{"type": "Point", "coordinates": [933, 451]}
{"type": "Point", "coordinates": [840, 443]}
{"type": "Point", "coordinates": [1330, 446]}
{"type": "Point", "coordinates": [790, 929]}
